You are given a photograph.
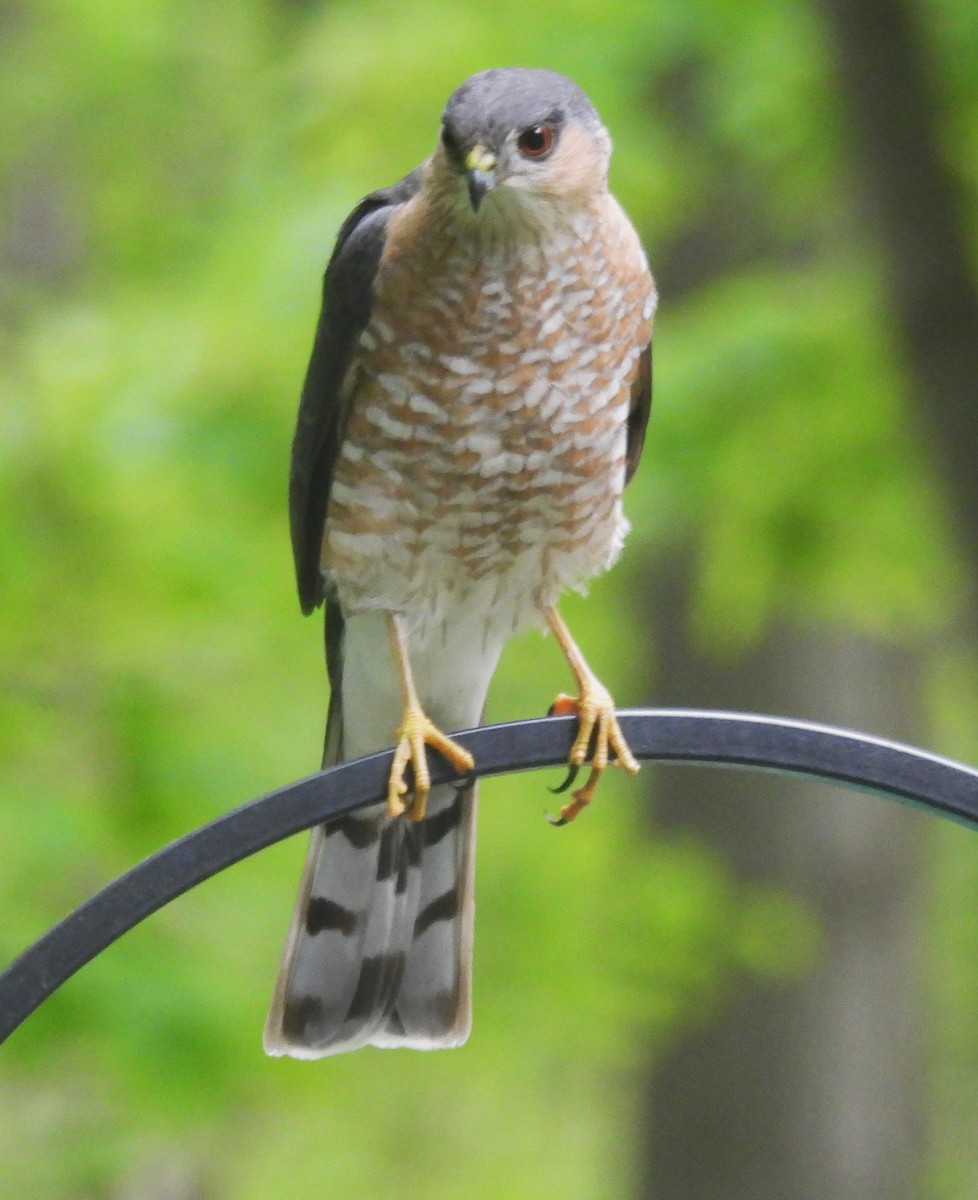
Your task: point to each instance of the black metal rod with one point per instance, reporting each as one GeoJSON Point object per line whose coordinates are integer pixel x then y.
{"type": "Point", "coordinates": [855, 760]}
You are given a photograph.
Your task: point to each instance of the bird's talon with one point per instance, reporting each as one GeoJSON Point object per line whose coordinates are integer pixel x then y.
{"type": "Point", "coordinates": [568, 782]}
{"type": "Point", "coordinates": [467, 781]}
{"type": "Point", "coordinates": [416, 732]}
{"type": "Point", "coordinates": [581, 799]}
{"type": "Point", "coordinates": [598, 739]}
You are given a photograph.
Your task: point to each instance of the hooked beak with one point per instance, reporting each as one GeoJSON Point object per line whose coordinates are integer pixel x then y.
{"type": "Point", "coordinates": [480, 164]}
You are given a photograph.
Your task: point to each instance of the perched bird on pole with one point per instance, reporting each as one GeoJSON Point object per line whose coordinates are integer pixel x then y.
{"type": "Point", "coordinates": [475, 403]}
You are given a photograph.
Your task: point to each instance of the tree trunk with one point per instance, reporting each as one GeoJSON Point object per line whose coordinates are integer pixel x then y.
{"type": "Point", "coordinates": [915, 211]}
{"type": "Point", "coordinates": [811, 1088]}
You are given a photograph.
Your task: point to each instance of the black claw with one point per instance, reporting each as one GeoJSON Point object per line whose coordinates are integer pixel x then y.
{"type": "Point", "coordinates": [568, 782]}
{"type": "Point", "coordinates": [464, 782]}
{"type": "Point", "coordinates": [556, 822]}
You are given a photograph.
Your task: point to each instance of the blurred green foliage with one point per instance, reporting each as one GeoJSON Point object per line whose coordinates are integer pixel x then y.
{"type": "Point", "coordinates": [172, 174]}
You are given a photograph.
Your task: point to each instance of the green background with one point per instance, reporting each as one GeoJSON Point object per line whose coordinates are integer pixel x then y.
{"type": "Point", "coordinates": [172, 174]}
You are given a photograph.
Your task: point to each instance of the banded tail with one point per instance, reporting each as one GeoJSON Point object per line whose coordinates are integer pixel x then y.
{"type": "Point", "coordinates": [379, 951]}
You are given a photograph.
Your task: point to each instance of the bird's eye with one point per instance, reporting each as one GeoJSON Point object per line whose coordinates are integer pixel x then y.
{"type": "Point", "coordinates": [536, 141]}
{"type": "Point", "coordinates": [448, 140]}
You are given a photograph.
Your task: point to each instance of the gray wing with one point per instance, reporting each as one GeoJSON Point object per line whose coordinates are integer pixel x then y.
{"type": "Point", "coordinates": [638, 413]}
{"type": "Point", "coordinates": [347, 300]}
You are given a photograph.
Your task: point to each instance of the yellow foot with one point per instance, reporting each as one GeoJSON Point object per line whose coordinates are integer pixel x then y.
{"type": "Point", "coordinates": [597, 724]}
{"type": "Point", "coordinates": [416, 732]}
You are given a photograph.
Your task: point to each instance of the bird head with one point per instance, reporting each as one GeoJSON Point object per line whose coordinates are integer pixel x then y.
{"type": "Point", "coordinates": [521, 132]}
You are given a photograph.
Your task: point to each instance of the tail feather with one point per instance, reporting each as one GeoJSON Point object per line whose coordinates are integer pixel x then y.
{"type": "Point", "coordinates": [433, 1002]}
{"type": "Point", "coordinates": [380, 944]}
{"type": "Point", "coordinates": [379, 950]}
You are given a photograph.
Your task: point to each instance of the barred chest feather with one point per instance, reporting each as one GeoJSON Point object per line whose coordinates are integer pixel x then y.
{"type": "Point", "coordinates": [484, 456]}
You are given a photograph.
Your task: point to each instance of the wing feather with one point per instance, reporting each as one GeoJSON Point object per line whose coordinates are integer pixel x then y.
{"type": "Point", "coordinates": [638, 413]}
{"type": "Point", "coordinates": [347, 300]}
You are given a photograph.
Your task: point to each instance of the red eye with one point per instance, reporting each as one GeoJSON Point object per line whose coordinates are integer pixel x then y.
{"type": "Point", "coordinates": [536, 141]}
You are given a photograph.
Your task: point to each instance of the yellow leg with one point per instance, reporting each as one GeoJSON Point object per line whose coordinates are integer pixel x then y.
{"type": "Point", "coordinates": [596, 721]}
{"type": "Point", "coordinates": [415, 732]}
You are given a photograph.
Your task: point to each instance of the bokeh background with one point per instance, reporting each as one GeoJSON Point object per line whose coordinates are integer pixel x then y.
{"type": "Point", "coordinates": [714, 985]}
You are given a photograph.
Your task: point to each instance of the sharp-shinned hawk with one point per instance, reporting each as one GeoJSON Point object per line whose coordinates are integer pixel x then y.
{"type": "Point", "coordinates": [475, 403]}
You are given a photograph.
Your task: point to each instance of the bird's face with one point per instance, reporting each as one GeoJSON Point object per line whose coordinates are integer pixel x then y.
{"type": "Point", "coordinates": [516, 134]}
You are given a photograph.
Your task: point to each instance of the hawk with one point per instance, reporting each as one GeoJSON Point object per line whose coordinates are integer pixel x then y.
{"type": "Point", "coordinates": [475, 403]}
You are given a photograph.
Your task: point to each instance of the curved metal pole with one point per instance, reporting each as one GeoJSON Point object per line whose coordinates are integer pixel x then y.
{"type": "Point", "coordinates": [855, 760]}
